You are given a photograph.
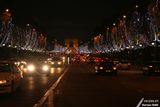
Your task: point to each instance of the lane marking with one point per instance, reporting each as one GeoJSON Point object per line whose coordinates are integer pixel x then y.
{"type": "Point", "coordinates": [50, 94]}
{"type": "Point", "coordinates": [140, 102]}
{"type": "Point", "coordinates": [59, 79]}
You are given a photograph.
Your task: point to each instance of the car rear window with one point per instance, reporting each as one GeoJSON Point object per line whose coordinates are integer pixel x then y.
{"type": "Point", "coordinates": [5, 67]}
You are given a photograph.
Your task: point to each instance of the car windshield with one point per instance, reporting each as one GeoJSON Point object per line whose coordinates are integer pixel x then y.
{"type": "Point", "coordinates": [4, 67]}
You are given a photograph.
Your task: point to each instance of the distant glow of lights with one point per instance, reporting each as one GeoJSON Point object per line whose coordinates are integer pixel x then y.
{"type": "Point", "coordinates": [153, 43]}
{"type": "Point", "coordinates": [3, 81]}
{"type": "Point", "coordinates": [59, 70]}
{"type": "Point", "coordinates": [127, 47]}
{"type": "Point", "coordinates": [7, 10]}
{"type": "Point", "coordinates": [52, 70]}
{"type": "Point", "coordinates": [31, 83]}
{"type": "Point", "coordinates": [124, 16]}
{"type": "Point", "coordinates": [129, 33]}
{"type": "Point", "coordinates": [45, 68]}
{"type": "Point", "coordinates": [122, 48]}
{"type": "Point", "coordinates": [68, 60]}
{"type": "Point", "coordinates": [28, 24]}
{"type": "Point", "coordinates": [44, 80]}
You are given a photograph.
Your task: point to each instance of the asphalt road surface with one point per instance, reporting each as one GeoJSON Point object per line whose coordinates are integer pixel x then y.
{"type": "Point", "coordinates": [33, 88]}
{"type": "Point", "coordinates": [81, 87]}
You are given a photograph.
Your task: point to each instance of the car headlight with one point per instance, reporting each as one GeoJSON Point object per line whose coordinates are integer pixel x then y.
{"type": "Point", "coordinates": [114, 68]}
{"type": "Point", "coordinates": [52, 63]}
{"type": "Point", "coordinates": [3, 81]}
{"type": "Point", "coordinates": [45, 68]}
{"type": "Point", "coordinates": [59, 63]}
{"type": "Point", "coordinates": [100, 67]}
{"type": "Point", "coordinates": [31, 68]}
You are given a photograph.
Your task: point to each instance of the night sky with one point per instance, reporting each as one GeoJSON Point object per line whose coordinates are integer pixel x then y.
{"type": "Point", "coordinates": [61, 19]}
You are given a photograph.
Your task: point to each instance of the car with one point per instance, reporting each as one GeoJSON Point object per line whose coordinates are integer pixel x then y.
{"type": "Point", "coordinates": [55, 62]}
{"type": "Point", "coordinates": [106, 68]}
{"type": "Point", "coordinates": [124, 65]}
{"type": "Point", "coordinates": [37, 67]}
{"type": "Point", "coordinates": [152, 68]}
{"type": "Point", "coordinates": [10, 77]}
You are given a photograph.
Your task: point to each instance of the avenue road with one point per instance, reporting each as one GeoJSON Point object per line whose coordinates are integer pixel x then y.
{"type": "Point", "coordinates": [81, 87]}
{"type": "Point", "coordinates": [33, 88]}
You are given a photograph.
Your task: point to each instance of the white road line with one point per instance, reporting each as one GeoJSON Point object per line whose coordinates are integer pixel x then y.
{"type": "Point", "coordinates": [47, 94]}
{"type": "Point", "coordinates": [140, 102]}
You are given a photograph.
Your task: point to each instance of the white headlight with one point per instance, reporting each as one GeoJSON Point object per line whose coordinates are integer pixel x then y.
{"type": "Point", "coordinates": [31, 67]}
{"type": "Point", "coordinates": [45, 68]}
{"type": "Point", "coordinates": [59, 63]}
{"type": "Point", "coordinates": [52, 63]}
{"type": "Point", "coordinates": [100, 67]}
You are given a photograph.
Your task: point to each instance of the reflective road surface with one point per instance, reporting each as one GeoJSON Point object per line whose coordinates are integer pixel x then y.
{"type": "Point", "coordinates": [32, 89]}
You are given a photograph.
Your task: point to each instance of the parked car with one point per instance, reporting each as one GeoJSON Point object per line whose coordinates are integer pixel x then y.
{"type": "Point", "coordinates": [106, 68]}
{"type": "Point", "coordinates": [124, 65]}
{"type": "Point", "coordinates": [10, 77]}
{"type": "Point", "coordinates": [152, 68]}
